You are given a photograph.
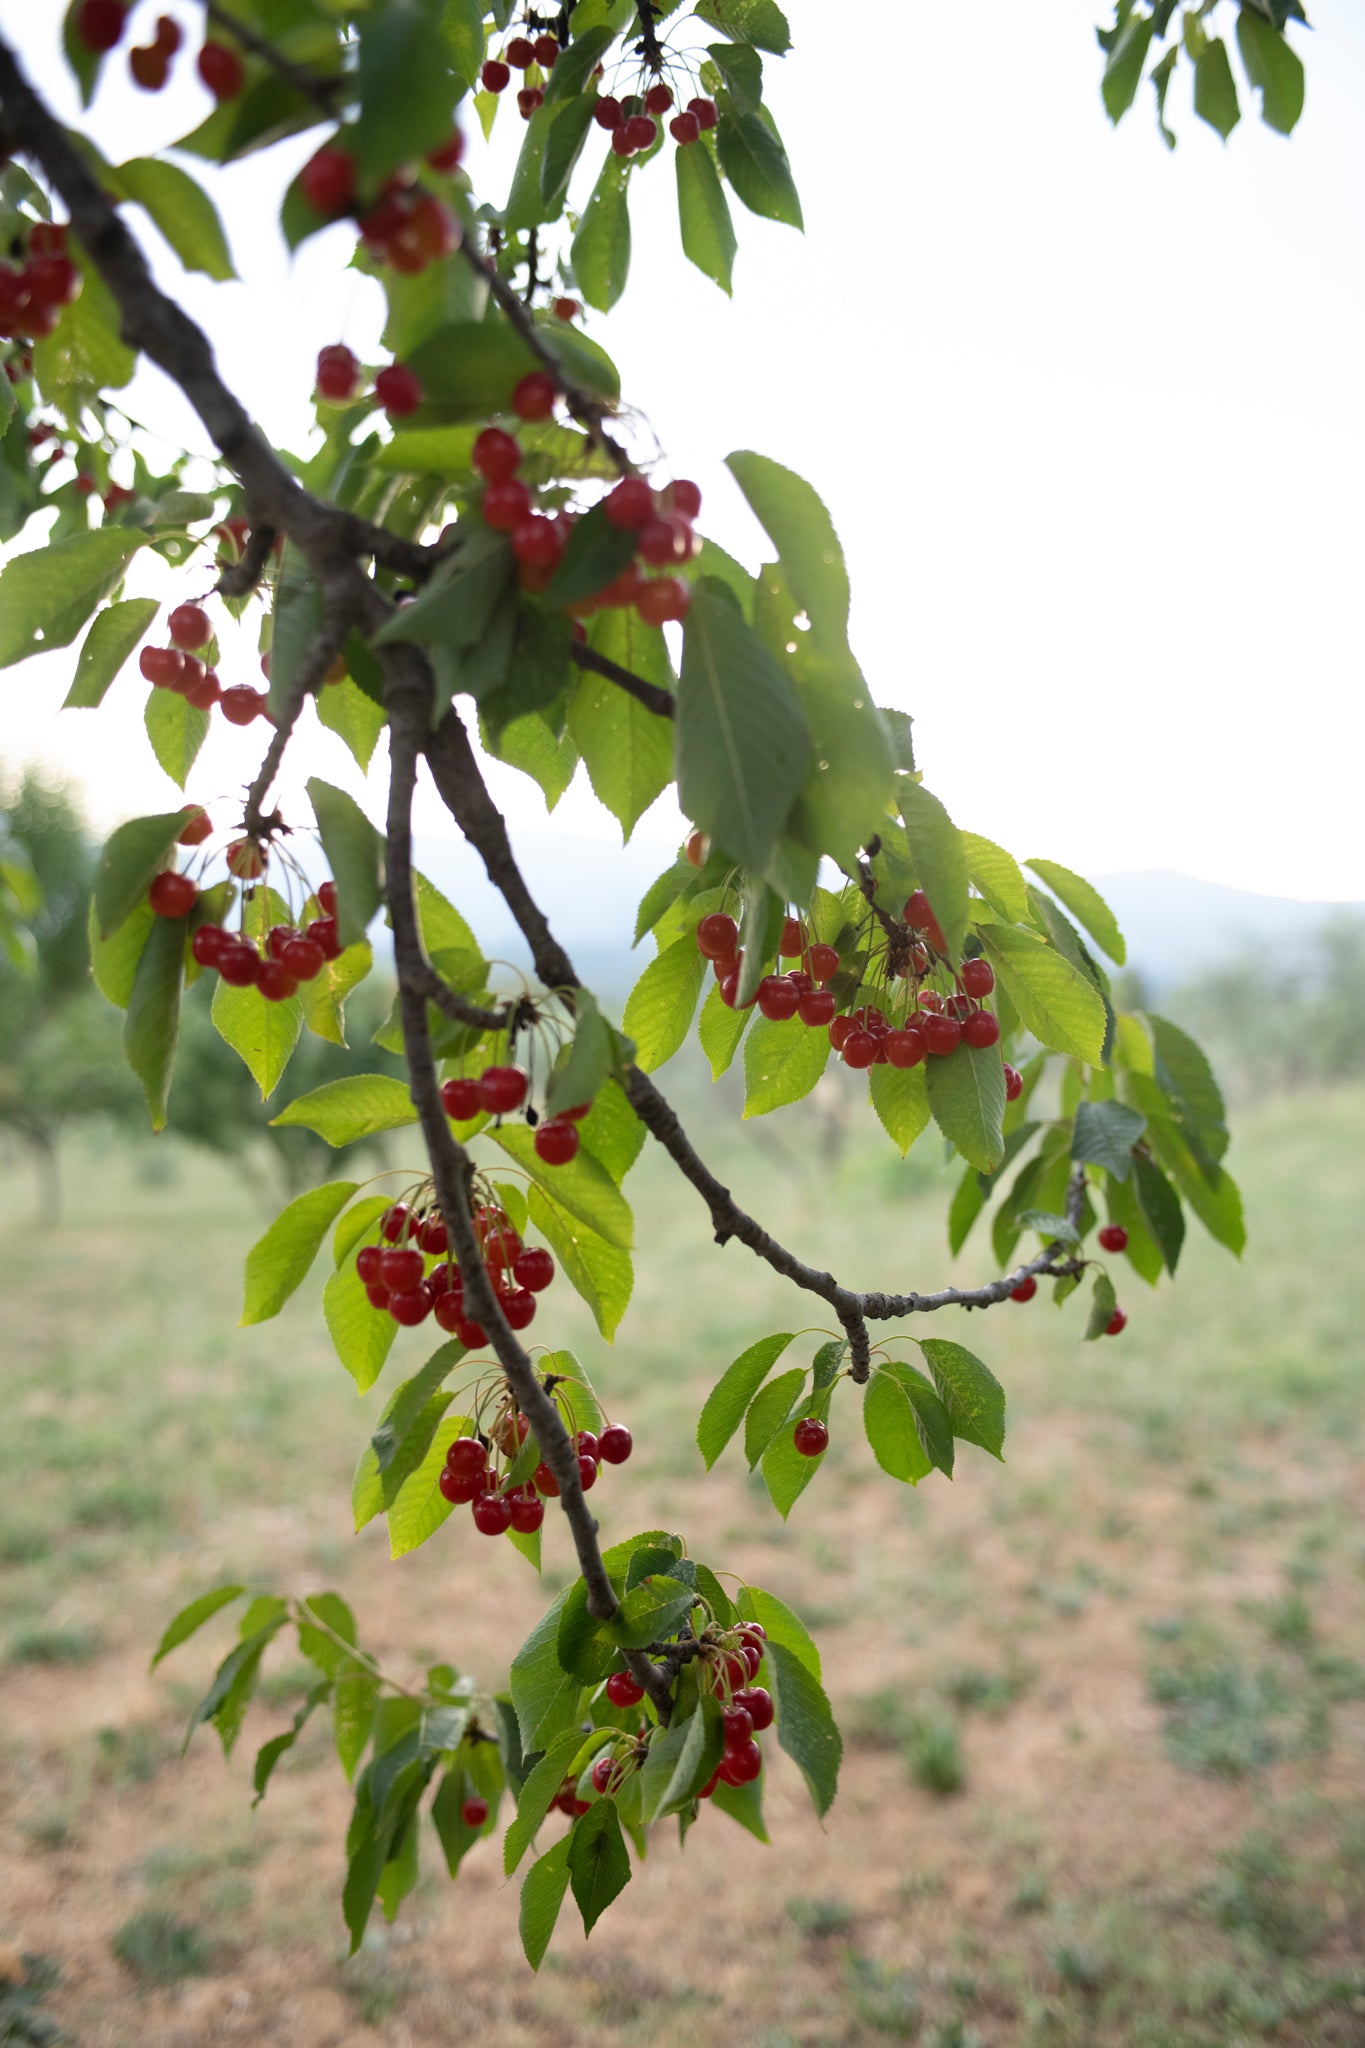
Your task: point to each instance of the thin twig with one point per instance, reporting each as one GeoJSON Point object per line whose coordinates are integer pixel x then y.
{"type": "Point", "coordinates": [239, 579]}
{"type": "Point", "coordinates": [652, 695]}
{"type": "Point", "coordinates": [321, 91]}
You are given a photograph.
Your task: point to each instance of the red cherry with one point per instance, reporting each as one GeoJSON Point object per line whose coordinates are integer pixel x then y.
{"type": "Point", "coordinates": [978, 978]}
{"type": "Point", "coordinates": [99, 23]}
{"type": "Point", "coordinates": [275, 983]}
{"type": "Point", "coordinates": [840, 1031]}
{"type": "Point", "coordinates": [620, 140]}
{"type": "Point", "coordinates": [432, 1235]}
{"type": "Point", "coordinates": [810, 1436]}
{"type": "Point", "coordinates": [629, 504]}
{"type": "Point", "coordinates": [445, 1279]}
{"type": "Point", "coordinates": [905, 1048]}
{"type": "Point", "coordinates": [393, 1224]}
{"type": "Point", "coordinates": [602, 1773]}
{"type": "Point", "coordinates": [565, 309]}
{"type": "Point", "coordinates": [556, 1142]}
{"type": "Point", "coordinates": [449, 155]}
{"type": "Point", "coordinates": [528, 99]}
{"type": "Point", "coordinates": [172, 895]}
{"type": "Point", "coordinates": [544, 1481]}
{"type": "Point", "coordinates": [586, 1444]}
{"type": "Point", "coordinates": [1026, 1289]}
{"type": "Point", "coordinates": [930, 1001]}
{"type": "Point", "coordinates": [1014, 1083]}
{"type": "Point", "coordinates": [222, 70]}
{"type": "Point", "coordinates": [623, 1690]}
{"type": "Point", "coordinates": [238, 963]}
{"type": "Point", "coordinates": [506, 504]}
{"type": "Point", "coordinates": [492, 1514]}
{"type": "Point", "coordinates": [520, 53]}
{"type": "Point", "coordinates": [496, 455]}
{"type": "Point", "coordinates": [685, 497]}
{"type": "Point", "coordinates": [1113, 1238]}
{"type": "Point", "coordinates": [240, 704]}
{"type": "Point", "coordinates": [449, 1309]}
{"type": "Point", "coordinates": [149, 68]}
{"type": "Point", "coordinates": [942, 1035]}
{"type": "Point", "coordinates": [528, 1512]}
{"type": "Point", "coordinates": [461, 1487]}
{"type": "Point", "coordinates": [207, 943]}
{"type": "Point", "coordinates": [859, 1048]}
{"type": "Point", "coordinates": [377, 1296]}
{"type": "Point", "coordinates": [546, 48]}
{"type": "Point", "coordinates": [741, 1766]}
{"type": "Point", "coordinates": [474, 1812]}
{"type": "Point", "coordinates": [777, 998]}
{"type": "Point", "coordinates": [1118, 1321]}
{"type": "Point", "coordinates": [684, 128]}
{"type": "Point", "coordinates": [538, 542]}
{"type": "Point", "coordinates": [534, 396]}
{"type": "Point", "coordinates": [52, 281]}
{"type": "Point", "coordinates": [369, 1264]}
{"type": "Point", "coordinates": [729, 986]}
{"type": "Point", "coordinates": [466, 1454]}
{"type": "Point", "coordinates": [494, 75]}
{"type": "Point", "coordinates": [519, 1307]}
{"type": "Point", "coordinates": [981, 1029]}
{"type": "Point", "coordinates": [502, 1089]}
{"type": "Point", "coordinates": [338, 373]}
{"type": "Point", "coordinates": [303, 959]}
{"type": "Point", "coordinates": [398, 391]}
{"type": "Point", "coordinates": [168, 37]}
{"type": "Point", "coordinates": [500, 1247]}
{"type": "Point", "coordinates": [816, 1006]}
{"type": "Point", "coordinates": [401, 1271]}
{"type": "Point", "coordinates": [205, 693]}
{"type": "Point", "coordinates": [587, 1472]}
{"type": "Point", "coordinates": [277, 938]}
{"type": "Point", "coordinates": [162, 666]}
{"type": "Point", "coordinates": [607, 112]}
{"type": "Point", "coordinates": [659, 98]}
{"type": "Point", "coordinates": [716, 935]}
{"type": "Point", "coordinates": [738, 1725]}
{"type": "Point", "coordinates": [640, 131]}
{"type": "Point", "coordinates": [328, 180]}
{"type": "Point", "coordinates": [462, 1099]}
{"type": "Point", "coordinates": [792, 945]}
{"type": "Point", "coordinates": [758, 1704]}
{"type": "Point", "coordinates": [471, 1334]}
{"type": "Point", "coordinates": [919, 914]}
{"type": "Point", "coordinates": [324, 930]}
{"type": "Point", "coordinates": [663, 599]}
{"type": "Point", "coordinates": [533, 1268]}
{"type": "Point", "coordinates": [615, 1444]}
{"type": "Point", "coordinates": [705, 111]}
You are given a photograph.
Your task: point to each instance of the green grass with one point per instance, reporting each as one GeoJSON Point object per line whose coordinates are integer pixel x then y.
{"type": "Point", "coordinates": [160, 1948]}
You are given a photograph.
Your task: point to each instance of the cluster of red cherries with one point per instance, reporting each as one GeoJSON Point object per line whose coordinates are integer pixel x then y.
{"type": "Point", "coordinates": [396, 1279]}
{"type": "Point", "coordinates": [99, 26]}
{"type": "Point", "coordinates": [631, 122]}
{"type": "Point", "coordinates": [660, 521]}
{"type": "Point", "coordinates": [728, 1671]}
{"type": "Point", "coordinates": [501, 1090]}
{"type": "Point", "coordinates": [407, 226]}
{"type": "Point", "coordinates": [293, 953]}
{"type": "Point", "coordinates": [469, 1479]}
{"type": "Point", "coordinates": [33, 293]}
{"type": "Point", "coordinates": [180, 668]}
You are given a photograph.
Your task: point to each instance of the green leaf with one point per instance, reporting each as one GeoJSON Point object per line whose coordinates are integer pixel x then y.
{"type": "Point", "coordinates": [263, 1034]}
{"type": "Point", "coordinates": [627, 750]}
{"type": "Point", "coordinates": [599, 1863]}
{"type": "Point", "coordinates": [1187, 1079]}
{"type": "Point", "coordinates": [589, 1060]}
{"type": "Point", "coordinates": [1102, 1305]}
{"type": "Point", "coordinates": [782, 1626]}
{"type": "Point", "coordinates": [353, 1710]}
{"type": "Point", "coordinates": [352, 714]}
{"type": "Point", "coordinates": [462, 27]}
{"type": "Point", "coordinates": [743, 1803]}
{"type": "Point", "coordinates": [966, 1093]}
{"type": "Point", "coordinates": [1123, 69]}
{"type": "Point", "coordinates": [354, 851]}
{"type": "Point", "coordinates": [152, 1026]}
{"type": "Point", "coordinates": [113, 635]}
{"type": "Point", "coordinates": [969, 1199]}
{"type": "Point", "coordinates": [805, 1725]}
{"type": "Point", "coordinates": [575, 65]}
{"type": "Point", "coordinates": [940, 860]}
{"type": "Point", "coordinates": [596, 554]}
{"type": "Point", "coordinates": [996, 875]}
{"type": "Point", "coordinates": [599, 1272]}
{"type": "Point", "coordinates": [545, 1696]}
{"type": "Point", "coordinates": [583, 1187]}
{"type": "Point", "coordinates": [889, 1423]}
{"type": "Point", "coordinates": [181, 211]}
{"type": "Point", "coordinates": [1215, 94]}
{"type": "Point", "coordinates": [132, 857]}
{"type": "Point", "coordinates": [1160, 1208]}
{"type": "Point", "coordinates": [786, 1471]}
{"type": "Point", "coordinates": [756, 164]}
{"type": "Point", "coordinates": [969, 1390]}
{"type": "Point", "coordinates": [113, 961]}
{"type": "Point", "coordinates": [193, 1617]}
{"type": "Point", "coordinates": [46, 596]}
{"type": "Point", "coordinates": [601, 248]}
{"type": "Point", "coordinates": [358, 1107]}
{"type": "Point", "coordinates": [1105, 1135]}
{"type": "Point", "coordinates": [469, 368]}
{"type": "Point", "coordinates": [724, 1407]}
{"type": "Point", "coordinates": [659, 1009]}
{"type": "Point", "coordinates": [84, 354]}
{"type": "Point", "coordinates": [419, 1507]}
{"type": "Point", "coordinates": [769, 1412]}
{"type": "Point", "coordinates": [405, 1415]}
{"type": "Point", "coordinates": [900, 1096]}
{"type": "Point", "coordinates": [720, 1029]}
{"type": "Point", "coordinates": [1086, 905]}
{"type": "Point", "coordinates": [537, 1796]}
{"type": "Point", "coordinates": [569, 127]}
{"type": "Point", "coordinates": [323, 999]}
{"type": "Point", "coordinates": [1055, 1001]}
{"type": "Point", "coordinates": [542, 1895]}
{"type": "Point", "coordinates": [1273, 68]}
{"type": "Point", "coordinates": [760, 22]}
{"type": "Point", "coordinates": [797, 523]}
{"type": "Point", "coordinates": [177, 730]}
{"type": "Point", "coordinates": [708, 233]}
{"type": "Point", "coordinates": [406, 91]}
{"type": "Point", "coordinates": [278, 1262]}
{"type": "Point", "coordinates": [1210, 1191]}
{"type": "Point", "coordinates": [362, 1336]}
{"type": "Point", "coordinates": [651, 1612]}
{"type": "Point", "coordinates": [782, 1063]}
{"type": "Point", "coordinates": [742, 742]}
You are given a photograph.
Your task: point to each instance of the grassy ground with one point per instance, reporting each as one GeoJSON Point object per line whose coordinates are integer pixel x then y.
{"type": "Point", "coordinates": [1106, 1704]}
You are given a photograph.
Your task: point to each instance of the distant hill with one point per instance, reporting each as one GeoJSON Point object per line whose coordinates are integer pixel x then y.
{"type": "Point", "coordinates": [589, 889]}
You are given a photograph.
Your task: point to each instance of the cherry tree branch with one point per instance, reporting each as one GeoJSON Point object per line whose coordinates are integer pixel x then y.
{"type": "Point", "coordinates": [321, 91]}
{"type": "Point", "coordinates": [652, 695]}
{"type": "Point", "coordinates": [240, 578]}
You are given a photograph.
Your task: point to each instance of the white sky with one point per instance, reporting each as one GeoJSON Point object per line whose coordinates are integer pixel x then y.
{"type": "Point", "coordinates": [1088, 416]}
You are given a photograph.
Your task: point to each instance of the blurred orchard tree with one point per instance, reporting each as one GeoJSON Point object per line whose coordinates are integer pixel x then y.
{"type": "Point", "coordinates": [482, 553]}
